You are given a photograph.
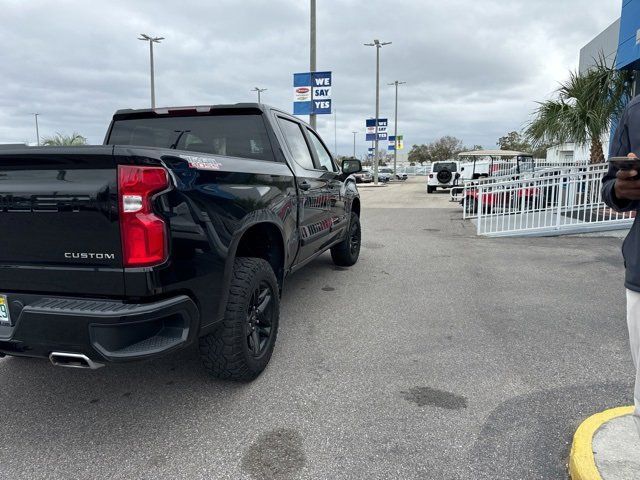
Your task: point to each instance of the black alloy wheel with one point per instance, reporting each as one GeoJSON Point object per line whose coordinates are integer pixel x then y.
{"type": "Point", "coordinates": [241, 346]}
{"type": "Point", "coordinates": [259, 319]}
{"type": "Point", "coordinates": [347, 252]}
{"type": "Point", "coordinates": [355, 237]}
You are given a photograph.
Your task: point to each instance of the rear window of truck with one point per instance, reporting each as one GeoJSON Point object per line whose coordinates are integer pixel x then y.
{"type": "Point", "coordinates": [243, 136]}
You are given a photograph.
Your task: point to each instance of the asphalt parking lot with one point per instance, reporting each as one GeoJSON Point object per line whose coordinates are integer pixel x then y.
{"type": "Point", "coordinates": [439, 355]}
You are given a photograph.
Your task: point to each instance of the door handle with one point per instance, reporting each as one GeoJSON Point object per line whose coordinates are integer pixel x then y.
{"type": "Point", "coordinates": [304, 185]}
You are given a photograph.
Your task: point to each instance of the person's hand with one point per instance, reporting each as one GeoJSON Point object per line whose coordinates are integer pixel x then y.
{"type": "Point", "coordinates": [627, 186]}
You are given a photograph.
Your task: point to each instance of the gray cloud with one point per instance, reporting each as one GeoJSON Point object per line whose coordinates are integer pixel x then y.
{"type": "Point", "coordinates": [473, 68]}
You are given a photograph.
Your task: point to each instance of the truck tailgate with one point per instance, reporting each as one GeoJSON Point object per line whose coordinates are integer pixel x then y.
{"type": "Point", "coordinates": [59, 230]}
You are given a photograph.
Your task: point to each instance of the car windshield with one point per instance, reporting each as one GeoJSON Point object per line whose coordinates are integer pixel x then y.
{"type": "Point", "coordinates": [242, 136]}
{"type": "Point", "coordinates": [451, 166]}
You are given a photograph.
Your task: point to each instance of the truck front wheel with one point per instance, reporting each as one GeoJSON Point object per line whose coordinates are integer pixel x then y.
{"type": "Point", "coordinates": [346, 253]}
{"type": "Point", "coordinates": [241, 347]}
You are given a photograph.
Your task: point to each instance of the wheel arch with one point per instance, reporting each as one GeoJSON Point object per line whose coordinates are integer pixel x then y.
{"type": "Point", "coordinates": [355, 206]}
{"type": "Point", "coordinates": [263, 240]}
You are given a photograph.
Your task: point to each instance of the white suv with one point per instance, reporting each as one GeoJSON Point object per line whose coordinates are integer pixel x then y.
{"type": "Point", "coordinates": [443, 175]}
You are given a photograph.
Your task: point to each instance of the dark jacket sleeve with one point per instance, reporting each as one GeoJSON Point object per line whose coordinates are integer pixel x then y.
{"type": "Point", "coordinates": [620, 147]}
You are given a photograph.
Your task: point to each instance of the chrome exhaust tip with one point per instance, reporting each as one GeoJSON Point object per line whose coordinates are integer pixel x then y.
{"type": "Point", "coordinates": [73, 360]}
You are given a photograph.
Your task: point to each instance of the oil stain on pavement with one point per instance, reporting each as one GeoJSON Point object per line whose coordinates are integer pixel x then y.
{"type": "Point", "coordinates": [277, 454]}
{"type": "Point", "coordinates": [427, 396]}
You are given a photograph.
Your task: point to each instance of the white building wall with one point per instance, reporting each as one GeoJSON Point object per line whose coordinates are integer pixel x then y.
{"type": "Point", "coordinates": [572, 152]}
{"type": "Point", "coordinates": [605, 44]}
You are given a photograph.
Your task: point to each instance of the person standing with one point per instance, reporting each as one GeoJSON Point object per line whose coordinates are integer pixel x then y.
{"type": "Point", "coordinates": [621, 191]}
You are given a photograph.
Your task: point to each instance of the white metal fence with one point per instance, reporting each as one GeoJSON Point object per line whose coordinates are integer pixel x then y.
{"type": "Point", "coordinates": [504, 170]}
{"type": "Point", "coordinates": [550, 202]}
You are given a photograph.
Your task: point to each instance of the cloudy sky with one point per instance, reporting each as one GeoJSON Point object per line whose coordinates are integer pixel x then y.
{"type": "Point", "coordinates": [474, 68]}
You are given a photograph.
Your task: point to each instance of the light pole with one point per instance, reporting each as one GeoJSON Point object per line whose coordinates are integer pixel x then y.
{"type": "Point", "coordinates": [147, 38]}
{"type": "Point", "coordinates": [335, 132]}
{"type": "Point", "coordinates": [259, 90]}
{"type": "Point", "coordinates": [395, 128]}
{"type": "Point", "coordinates": [312, 52]}
{"type": "Point", "coordinates": [354, 144]}
{"type": "Point", "coordinates": [37, 130]}
{"type": "Point", "coordinates": [378, 44]}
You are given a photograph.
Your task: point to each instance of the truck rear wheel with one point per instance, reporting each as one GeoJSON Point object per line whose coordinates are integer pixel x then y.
{"type": "Point", "coordinates": [430, 189]}
{"type": "Point", "coordinates": [346, 253]}
{"type": "Point", "coordinates": [241, 348]}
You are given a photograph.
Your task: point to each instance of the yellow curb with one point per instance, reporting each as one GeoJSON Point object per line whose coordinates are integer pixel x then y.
{"type": "Point", "coordinates": [582, 465]}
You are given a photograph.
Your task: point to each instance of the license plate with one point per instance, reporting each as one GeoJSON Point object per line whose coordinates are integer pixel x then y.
{"type": "Point", "coordinates": [5, 319]}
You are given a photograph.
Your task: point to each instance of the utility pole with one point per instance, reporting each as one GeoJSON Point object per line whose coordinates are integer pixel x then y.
{"type": "Point", "coordinates": [378, 44]}
{"type": "Point", "coordinates": [147, 38]}
{"type": "Point", "coordinates": [335, 132]}
{"type": "Point", "coordinates": [312, 52]}
{"type": "Point", "coordinates": [37, 130]}
{"type": "Point", "coordinates": [354, 144]}
{"type": "Point", "coordinates": [395, 128]}
{"type": "Point", "coordinates": [259, 90]}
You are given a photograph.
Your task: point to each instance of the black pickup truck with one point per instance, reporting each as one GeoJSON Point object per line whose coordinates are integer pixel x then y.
{"type": "Point", "coordinates": [181, 228]}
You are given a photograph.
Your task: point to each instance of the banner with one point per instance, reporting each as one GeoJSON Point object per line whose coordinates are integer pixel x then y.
{"type": "Point", "coordinates": [371, 129]}
{"type": "Point", "coordinates": [393, 144]}
{"type": "Point", "coordinates": [312, 93]}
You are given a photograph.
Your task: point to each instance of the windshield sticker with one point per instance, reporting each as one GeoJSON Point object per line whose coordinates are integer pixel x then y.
{"type": "Point", "coordinates": [202, 163]}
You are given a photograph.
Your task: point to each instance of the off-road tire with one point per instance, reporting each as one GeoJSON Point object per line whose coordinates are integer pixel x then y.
{"type": "Point", "coordinates": [444, 176]}
{"type": "Point", "coordinates": [225, 353]}
{"type": "Point", "coordinates": [346, 253]}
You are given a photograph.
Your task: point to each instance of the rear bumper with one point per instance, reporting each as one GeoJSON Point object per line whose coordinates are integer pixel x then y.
{"type": "Point", "coordinates": [103, 330]}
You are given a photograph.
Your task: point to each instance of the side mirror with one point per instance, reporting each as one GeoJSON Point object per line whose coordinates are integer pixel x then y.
{"type": "Point", "coordinates": [351, 165]}
{"type": "Point", "coordinates": [462, 169]}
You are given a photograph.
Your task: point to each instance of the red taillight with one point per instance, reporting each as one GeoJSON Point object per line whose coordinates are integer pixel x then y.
{"type": "Point", "coordinates": [144, 235]}
{"type": "Point", "coordinates": [431, 175]}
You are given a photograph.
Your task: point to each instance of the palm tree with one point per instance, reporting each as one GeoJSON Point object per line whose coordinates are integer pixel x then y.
{"type": "Point", "coordinates": [61, 140]}
{"type": "Point", "coordinates": [584, 108]}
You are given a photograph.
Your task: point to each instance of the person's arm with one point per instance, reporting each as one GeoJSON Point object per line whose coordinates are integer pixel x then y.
{"type": "Point", "coordinates": [620, 147]}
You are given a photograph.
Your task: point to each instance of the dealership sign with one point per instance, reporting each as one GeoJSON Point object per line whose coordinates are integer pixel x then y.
{"type": "Point", "coordinates": [393, 144]}
{"type": "Point", "coordinates": [371, 129]}
{"type": "Point", "coordinates": [312, 93]}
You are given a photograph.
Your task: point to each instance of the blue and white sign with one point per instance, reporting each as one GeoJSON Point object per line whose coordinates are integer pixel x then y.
{"type": "Point", "coordinates": [312, 93]}
{"type": "Point", "coordinates": [393, 143]}
{"type": "Point", "coordinates": [371, 129]}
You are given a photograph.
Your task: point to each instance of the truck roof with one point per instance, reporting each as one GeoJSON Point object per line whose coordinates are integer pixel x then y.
{"type": "Point", "coordinates": [202, 109]}
{"type": "Point", "coordinates": [130, 113]}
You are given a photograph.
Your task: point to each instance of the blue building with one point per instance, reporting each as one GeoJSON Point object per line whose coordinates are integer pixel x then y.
{"type": "Point", "coordinates": [628, 56]}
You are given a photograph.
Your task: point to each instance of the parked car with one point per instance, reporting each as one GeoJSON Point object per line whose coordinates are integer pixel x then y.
{"type": "Point", "coordinates": [384, 177]}
{"type": "Point", "coordinates": [443, 175]}
{"type": "Point", "coordinates": [363, 177]}
{"type": "Point", "coordinates": [181, 229]}
{"type": "Point", "coordinates": [537, 195]}
{"type": "Point", "coordinates": [503, 199]}
{"type": "Point", "coordinates": [398, 176]}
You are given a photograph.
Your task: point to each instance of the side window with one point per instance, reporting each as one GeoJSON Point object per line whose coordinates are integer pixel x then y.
{"type": "Point", "coordinates": [297, 143]}
{"type": "Point", "coordinates": [323, 155]}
